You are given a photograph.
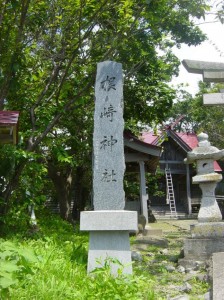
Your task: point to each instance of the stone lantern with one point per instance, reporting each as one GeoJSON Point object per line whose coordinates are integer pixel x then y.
{"type": "Point", "coordinates": [204, 155]}
{"type": "Point", "coordinates": [207, 236]}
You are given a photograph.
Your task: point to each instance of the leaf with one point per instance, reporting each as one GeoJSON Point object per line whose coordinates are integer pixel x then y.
{"type": "Point", "coordinates": [7, 282]}
{"type": "Point", "coordinates": [8, 267]}
{"type": "Point", "coordinates": [28, 254]}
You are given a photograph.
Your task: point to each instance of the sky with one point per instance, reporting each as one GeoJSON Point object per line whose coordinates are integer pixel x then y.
{"type": "Point", "coordinates": [210, 50]}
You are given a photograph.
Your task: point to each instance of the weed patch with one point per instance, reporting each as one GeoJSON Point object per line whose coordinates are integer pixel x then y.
{"type": "Point", "coordinates": [52, 263]}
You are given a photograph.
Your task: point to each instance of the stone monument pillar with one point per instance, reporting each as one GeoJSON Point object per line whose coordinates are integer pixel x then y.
{"type": "Point", "coordinates": [207, 237]}
{"type": "Point", "coordinates": [109, 224]}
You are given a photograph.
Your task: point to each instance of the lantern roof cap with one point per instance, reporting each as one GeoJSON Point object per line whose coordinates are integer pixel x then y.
{"type": "Point", "coordinates": [204, 150]}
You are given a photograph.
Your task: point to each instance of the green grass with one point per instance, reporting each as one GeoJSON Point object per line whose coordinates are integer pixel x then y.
{"type": "Point", "coordinates": [51, 264]}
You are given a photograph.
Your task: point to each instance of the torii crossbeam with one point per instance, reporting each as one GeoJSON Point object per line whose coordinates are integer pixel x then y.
{"type": "Point", "coordinates": [212, 72]}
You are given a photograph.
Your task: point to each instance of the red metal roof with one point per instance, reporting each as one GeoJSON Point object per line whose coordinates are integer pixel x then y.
{"type": "Point", "coordinates": [8, 118]}
{"type": "Point", "coordinates": [189, 139]}
{"type": "Point", "coordinates": [149, 137]}
{"type": "Point", "coordinates": [217, 167]}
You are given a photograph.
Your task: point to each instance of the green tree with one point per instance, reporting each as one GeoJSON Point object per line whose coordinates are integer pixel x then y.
{"type": "Point", "coordinates": [48, 56]}
{"type": "Point", "coordinates": [200, 118]}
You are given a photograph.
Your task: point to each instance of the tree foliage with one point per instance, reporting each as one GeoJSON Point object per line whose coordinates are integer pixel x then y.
{"type": "Point", "coordinates": [197, 117]}
{"type": "Point", "coordinates": [220, 11]}
{"type": "Point", "coordinates": [48, 56]}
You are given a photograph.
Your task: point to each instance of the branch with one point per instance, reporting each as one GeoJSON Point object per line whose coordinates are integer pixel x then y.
{"type": "Point", "coordinates": [32, 146]}
{"type": "Point", "coordinates": [78, 45]}
{"type": "Point", "coordinates": [55, 71]}
{"type": "Point", "coordinates": [53, 75]}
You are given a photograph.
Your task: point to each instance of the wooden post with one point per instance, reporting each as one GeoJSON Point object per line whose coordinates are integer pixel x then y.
{"type": "Point", "coordinates": [143, 193]}
{"type": "Point", "coordinates": [188, 189]}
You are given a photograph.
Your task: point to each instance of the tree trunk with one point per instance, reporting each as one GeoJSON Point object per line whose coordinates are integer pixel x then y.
{"type": "Point", "coordinates": [81, 193]}
{"type": "Point", "coordinates": [63, 183]}
{"type": "Point", "coordinates": [11, 186]}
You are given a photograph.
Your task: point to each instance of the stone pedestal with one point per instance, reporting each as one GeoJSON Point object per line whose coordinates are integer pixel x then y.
{"type": "Point", "coordinates": [109, 238]}
{"type": "Point", "coordinates": [207, 230]}
{"type": "Point", "coordinates": [209, 210]}
{"type": "Point", "coordinates": [207, 237]}
{"type": "Point", "coordinates": [202, 248]}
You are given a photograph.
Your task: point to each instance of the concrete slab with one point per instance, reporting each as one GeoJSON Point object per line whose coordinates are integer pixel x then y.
{"type": "Point", "coordinates": [104, 220]}
{"type": "Point", "coordinates": [202, 248]}
{"type": "Point", "coordinates": [150, 232]}
{"type": "Point", "coordinates": [218, 275]}
{"type": "Point", "coordinates": [147, 240]}
{"type": "Point", "coordinates": [110, 247]}
{"type": "Point", "coordinates": [207, 230]}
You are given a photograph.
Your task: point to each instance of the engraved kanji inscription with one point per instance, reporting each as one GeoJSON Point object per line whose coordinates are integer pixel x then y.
{"type": "Point", "coordinates": [108, 112]}
{"type": "Point", "coordinates": [108, 84]}
{"type": "Point", "coordinates": [108, 176]}
{"type": "Point", "coordinates": [108, 142]}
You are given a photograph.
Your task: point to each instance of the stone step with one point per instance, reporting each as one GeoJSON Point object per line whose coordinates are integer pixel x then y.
{"type": "Point", "coordinates": [163, 212]}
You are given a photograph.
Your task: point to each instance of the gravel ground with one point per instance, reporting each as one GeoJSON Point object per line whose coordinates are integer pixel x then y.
{"type": "Point", "coordinates": [159, 254]}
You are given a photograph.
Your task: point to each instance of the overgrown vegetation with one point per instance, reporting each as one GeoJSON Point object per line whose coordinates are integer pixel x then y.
{"type": "Point", "coordinates": [47, 72]}
{"type": "Point", "coordinates": [50, 263]}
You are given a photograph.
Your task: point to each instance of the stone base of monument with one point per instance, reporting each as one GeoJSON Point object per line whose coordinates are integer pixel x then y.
{"type": "Point", "coordinates": [202, 248]}
{"type": "Point", "coordinates": [206, 239]}
{"type": "Point", "coordinates": [109, 238]}
{"type": "Point", "coordinates": [207, 230]}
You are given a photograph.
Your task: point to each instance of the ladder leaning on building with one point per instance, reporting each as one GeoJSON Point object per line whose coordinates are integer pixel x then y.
{"type": "Point", "coordinates": [170, 193]}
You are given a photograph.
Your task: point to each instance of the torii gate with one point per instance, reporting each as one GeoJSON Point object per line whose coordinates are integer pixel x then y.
{"type": "Point", "coordinates": [212, 72]}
